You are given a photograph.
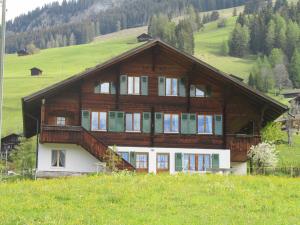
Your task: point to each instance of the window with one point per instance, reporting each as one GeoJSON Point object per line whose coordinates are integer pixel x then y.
{"type": "Point", "coordinates": [104, 88]}
{"type": "Point", "coordinates": [204, 162]}
{"type": "Point", "coordinates": [133, 122]}
{"type": "Point", "coordinates": [200, 91]}
{"type": "Point", "coordinates": [162, 161]}
{"type": "Point", "coordinates": [124, 155]}
{"type": "Point", "coordinates": [99, 121]}
{"type": "Point", "coordinates": [171, 124]}
{"type": "Point", "coordinates": [142, 161]}
{"type": "Point", "coordinates": [60, 121]}
{"type": "Point", "coordinates": [58, 158]}
{"type": "Point", "coordinates": [189, 162]}
{"type": "Point", "coordinates": [205, 123]}
{"type": "Point", "coordinates": [171, 87]}
{"type": "Point", "coordinates": [133, 85]}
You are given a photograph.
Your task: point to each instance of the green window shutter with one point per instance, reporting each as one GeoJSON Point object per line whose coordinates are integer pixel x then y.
{"type": "Point", "coordinates": [123, 84]}
{"type": "Point", "coordinates": [112, 88]}
{"type": "Point", "coordinates": [215, 161]}
{"type": "Point", "coordinates": [132, 158]}
{"type": "Point", "coordinates": [182, 90]}
{"type": "Point", "coordinates": [112, 121]}
{"type": "Point", "coordinates": [146, 122]}
{"type": "Point", "coordinates": [161, 86]}
{"type": "Point", "coordinates": [184, 123]}
{"type": "Point", "coordinates": [97, 88]}
{"type": "Point", "coordinates": [86, 119]}
{"type": "Point", "coordinates": [158, 123]}
{"type": "Point", "coordinates": [178, 162]}
{"type": "Point", "coordinates": [144, 85]}
{"type": "Point", "coordinates": [218, 125]}
{"type": "Point", "coordinates": [120, 123]}
{"type": "Point", "coordinates": [192, 91]}
{"type": "Point", "coordinates": [208, 91]}
{"type": "Point", "coordinates": [192, 124]}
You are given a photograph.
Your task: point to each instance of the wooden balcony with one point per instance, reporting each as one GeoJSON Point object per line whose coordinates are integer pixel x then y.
{"type": "Point", "coordinates": [240, 145]}
{"type": "Point", "coordinates": [80, 136]}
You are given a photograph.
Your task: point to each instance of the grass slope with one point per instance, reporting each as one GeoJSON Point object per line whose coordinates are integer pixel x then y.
{"type": "Point", "coordinates": [147, 199]}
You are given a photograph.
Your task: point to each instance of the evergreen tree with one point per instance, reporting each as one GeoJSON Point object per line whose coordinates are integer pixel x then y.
{"type": "Point", "coordinates": [185, 36]}
{"type": "Point", "coordinates": [295, 69]}
{"type": "Point", "coordinates": [224, 48]}
{"type": "Point", "coordinates": [270, 38]}
{"type": "Point", "coordinates": [239, 41]}
{"type": "Point", "coordinates": [251, 80]}
{"type": "Point", "coordinates": [292, 38]}
{"type": "Point", "coordinates": [276, 57]}
{"type": "Point", "coordinates": [234, 13]}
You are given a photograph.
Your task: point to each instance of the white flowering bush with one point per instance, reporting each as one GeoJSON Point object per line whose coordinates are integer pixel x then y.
{"type": "Point", "coordinates": [263, 155]}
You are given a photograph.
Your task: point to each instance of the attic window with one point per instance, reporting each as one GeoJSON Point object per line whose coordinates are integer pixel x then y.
{"type": "Point", "coordinates": [104, 88]}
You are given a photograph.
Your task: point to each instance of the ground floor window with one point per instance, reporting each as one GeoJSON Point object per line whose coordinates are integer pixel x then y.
{"type": "Point", "coordinates": [204, 162]}
{"type": "Point", "coordinates": [197, 162]}
{"type": "Point", "coordinates": [58, 158]}
{"type": "Point", "coordinates": [163, 161]}
{"type": "Point", "coordinates": [124, 155]}
{"type": "Point", "coordinates": [141, 160]}
{"type": "Point", "coordinates": [189, 162]}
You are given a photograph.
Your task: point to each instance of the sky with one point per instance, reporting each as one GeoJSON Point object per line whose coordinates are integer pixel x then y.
{"type": "Point", "coordinates": [17, 7]}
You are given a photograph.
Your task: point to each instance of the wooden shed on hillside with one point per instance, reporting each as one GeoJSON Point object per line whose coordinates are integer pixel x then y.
{"type": "Point", "coordinates": [36, 71]}
{"type": "Point", "coordinates": [8, 143]}
{"type": "Point", "coordinates": [291, 93]}
{"type": "Point", "coordinates": [144, 37]}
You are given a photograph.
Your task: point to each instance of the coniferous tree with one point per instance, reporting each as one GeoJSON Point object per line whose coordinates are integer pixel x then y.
{"type": "Point", "coordinates": [292, 38]}
{"type": "Point", "coordinates": [251, 80]}
{"type": "Point", "coordinates": [270, 37]}
{"type": "Point", "coordinates": [295, 69]}
{"type": "Point", "coordinates": [239, 41]}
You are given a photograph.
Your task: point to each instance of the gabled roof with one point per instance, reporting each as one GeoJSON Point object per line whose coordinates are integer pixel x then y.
{"type": "Point", "coordinates": [275, 108]}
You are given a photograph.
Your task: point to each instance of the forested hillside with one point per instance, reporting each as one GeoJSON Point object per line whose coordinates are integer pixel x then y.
{"type": "Point", "coordinates": [79, 21]}
{"type": "Point", "coordinates": [272, 32]}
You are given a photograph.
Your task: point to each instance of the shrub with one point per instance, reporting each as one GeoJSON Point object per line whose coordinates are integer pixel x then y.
{"type": "Point", "coordinates": [272, 133]}
{"type": "Point", "coordinates": [263, 155]}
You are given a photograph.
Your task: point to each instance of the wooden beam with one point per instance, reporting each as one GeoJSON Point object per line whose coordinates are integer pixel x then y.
{"type": "Point", "coordinates": [262, 114]}
{"type": "Point", "coordinates": [189, 75]}
{"type": "Point", "coordinates": [118, 74]}
{"type": "Point", "coordinates": [152, 126]}
{"type": "Point", "coordinates": [80, 104]}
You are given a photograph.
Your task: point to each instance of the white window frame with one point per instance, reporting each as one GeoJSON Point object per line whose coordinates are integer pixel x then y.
{"type": "Point", "coordinates": [171, 116]}
{"type": "Point", "coordinates": [171, 87]}
{"type": "Point", "coordinates": [99, 117]}
{"type": "Point", "coordinates": [147, 161]}
{"type": "Point", "coordinates": [58, 158]}
{"type": "Point", "coordinates": [135, 83]}
{"type": "Point", "coordinates": [133, 122]}
{"type": "Point", "coordinates": [61, 121]}
{"type": "Point", "coordinates": [212, 124]}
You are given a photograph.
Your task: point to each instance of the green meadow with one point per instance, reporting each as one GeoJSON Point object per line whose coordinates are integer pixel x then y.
{"type": "Point", "coordinates": [149, 199]}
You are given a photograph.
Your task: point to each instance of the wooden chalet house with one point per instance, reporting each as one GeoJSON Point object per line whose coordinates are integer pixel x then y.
{"type": "Point", "coordinates": [164, 110]}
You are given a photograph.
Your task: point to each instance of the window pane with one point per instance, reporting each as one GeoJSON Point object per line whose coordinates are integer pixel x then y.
{"type": "Point", "coordinates": [94, 120]}
{"type": "Point", "coordinates": [137, 122]}
{"type": "Point", "coordinates": [199, 92]}
{"type": "Point", "coordinates": [174, 87]}
{"type": "Point", "coordinates": [129, 122]}
{"type": "Point", "coordinates": [186, 162]}
{"type": "Point", "coordinates": [141, 161]}
{"type": "Point", "coordinates": [136, 85]}
{"type": "Point", "coordinates": [209, 124]}
{"type": "Point", "coordinates": [125, 155]}
{"type": "Point", "coordinates": [162, 161]}
{"type": "Point", "coordinates": [61, 159]}
{"type": "Point", "coordinates": [200, 124]}
{"type": "Point", "coordinates": [168, 87]}
{"type": "Point", "coordinates": [102, 120]}
{"type": "Point", "coordinates": [200, 162]}
{"type": "Point", "coordinates": [175, 123]}
{"type": "Point", "coordinates": [192, 162]}
{"type": "Point", "coordinates": [54, 158]}
{"type": "Point", "coordinates": [207, 161]}
{"type": "Point", "coordinates": [104, 88]}
{"type": "Point", "coordinates": [167, 123]}
{"type": "Point", "coordinates": [130, 85]}
{"type": "Point", "coordinates": [60, 121]}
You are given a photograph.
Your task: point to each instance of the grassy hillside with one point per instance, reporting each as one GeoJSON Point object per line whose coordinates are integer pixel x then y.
{"type": "Point", "coordinates": [147, 199]}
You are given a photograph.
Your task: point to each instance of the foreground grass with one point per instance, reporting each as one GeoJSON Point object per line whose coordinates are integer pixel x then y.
{"type": "Point", "coordinates": [148, 199]}
{"type": "Point", "coordinates": [290, 155]}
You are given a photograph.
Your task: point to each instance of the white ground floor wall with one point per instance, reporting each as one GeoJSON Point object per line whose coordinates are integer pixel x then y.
{"type": "Point", "coordinates": [78, 160]}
